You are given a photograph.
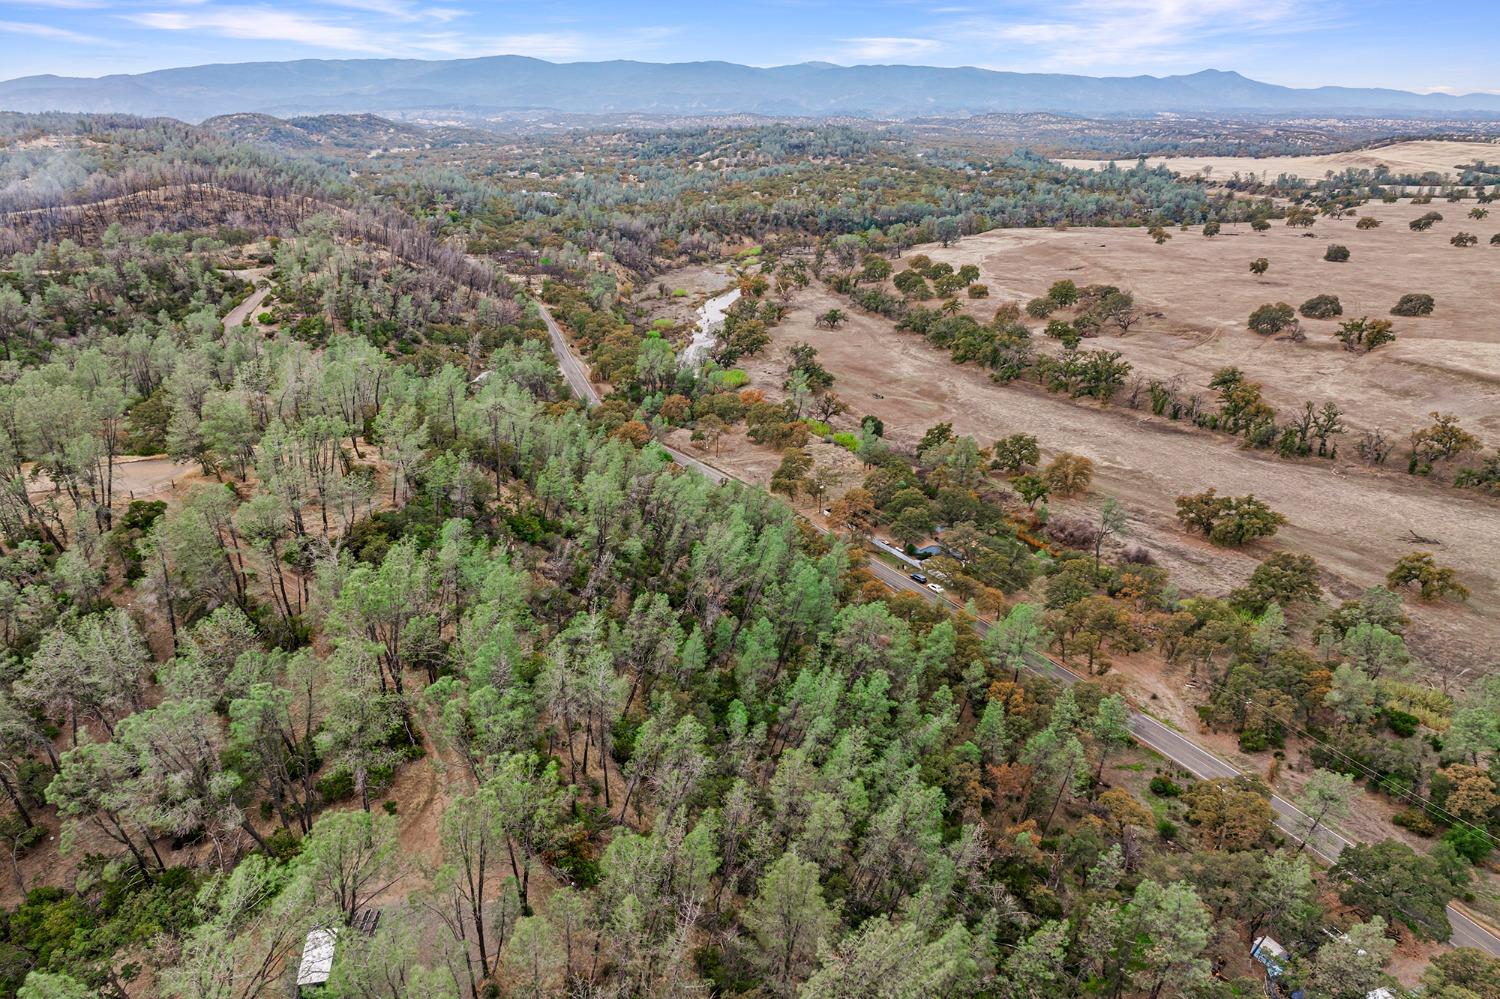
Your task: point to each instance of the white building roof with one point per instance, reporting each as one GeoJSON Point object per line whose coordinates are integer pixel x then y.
{"type": "Point", "coordinates": [317, 957]}
{"type": "Point", "coordinates": [1266, 945]}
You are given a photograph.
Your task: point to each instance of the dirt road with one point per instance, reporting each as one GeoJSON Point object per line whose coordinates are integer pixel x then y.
{"type": "Point", "coordinates": [242, 312]}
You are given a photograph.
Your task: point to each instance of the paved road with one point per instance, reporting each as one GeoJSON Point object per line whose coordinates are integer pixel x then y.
{"type": "Point", "coordinates": [572, 368]}
{"type": "Point", "coordinates": [577, 377]}
{"type": "Point", "coordinates": [1326, 843]}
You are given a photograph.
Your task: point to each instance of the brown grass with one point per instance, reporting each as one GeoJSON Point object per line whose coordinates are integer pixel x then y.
{"type": "Point", "coordinates": [1402, 157]}
{"type": "Point", "coordinates": [1349, 517]}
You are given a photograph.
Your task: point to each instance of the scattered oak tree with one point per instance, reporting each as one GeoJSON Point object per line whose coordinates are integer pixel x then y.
{"type": "Point", "coordinates": [1433, 581]}
{"type": "Point", "coordinates": [1228, 520]}
{"type": "Point", "coordinates": [1270, 319]}
{"type": "Point", "coordinates": [1364, 334]}
{"type": "Point", "coordinates": [1322, 307]}
{"type": "Point", "coordinates": [1413, 304]}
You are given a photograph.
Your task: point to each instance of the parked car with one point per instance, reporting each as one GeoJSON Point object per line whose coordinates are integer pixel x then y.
{"type": "Point", "coordinates": [919, 577]}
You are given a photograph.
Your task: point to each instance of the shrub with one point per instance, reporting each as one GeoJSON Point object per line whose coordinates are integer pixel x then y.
{"type": "Point", "coordinates": [1040, 308]}
{"type": "Point", "coordinates": [1166, 829]}
{"type": "Point", "coordinates": [735, 378]}
{"type": "Point", "coordinates": [1365, 334]}
{"type": "Point", "coordinates": [1063, 292]}
{"type": "Point", "coordinates": [846, 440]}
{"type": "Point", "coordinates": [1464, 239]}
{"type": "Point", "coordinates": [1074, 532]}
{"type": "Point", "coordinates": [817, 427]}
{"type": "Point", "coordinates": [1414, 304]}
{"type": "Point", "coordinates": [1401, 723]}
{"type": "Point", "coordinates": [1471, 843]}
{"type": "Point", "coordinates": [979, 291]}
{"type": "Point", "coordinates": [337, 786]}
{"type": "Point", "coordinates": [1431, 707]}
{"type": "Point", "coordinates": [1061, 329]}
{"type": "Point", "coordinates": [1068, 474]}
{"type": "Point", "coordinates": [1337, 252]}
{"type": "Point", "coordinates": [1433, 581]}
{"type": "Point", "coordinates": [1322, 307]}
{"type": "Point", "coordinates": [1014, 453]}
{"type": "Point", "coordinates": [1368, 222]}
{"type": "Point", "coordinates": [1426, 221]}
{"type": "Point", "coordinates": [1253, 740]}
{"type": "Point", "coordinates": [1164, 787]}
{"type": "Point", "coordinates": [1270, 318]}
{"type": "Point", "coordinates": [1415, 820]}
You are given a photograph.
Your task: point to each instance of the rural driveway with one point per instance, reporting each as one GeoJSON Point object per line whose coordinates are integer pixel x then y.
{"type": "Point", "coordinates": [246, 309]}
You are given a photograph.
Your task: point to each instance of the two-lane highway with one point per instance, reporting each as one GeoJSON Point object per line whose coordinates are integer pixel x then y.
{"type": "Point", "coordinates": [1326, 843]}
{"type": "Point", "coordinates": [577, 377]}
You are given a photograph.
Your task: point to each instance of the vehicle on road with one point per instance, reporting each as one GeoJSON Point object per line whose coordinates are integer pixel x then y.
{"type": "Point", "coordinates": [935, 587]}
{"type": "Point", "coordinates": [917, 576]}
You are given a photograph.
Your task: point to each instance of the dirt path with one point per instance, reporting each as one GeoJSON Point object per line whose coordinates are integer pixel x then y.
{"type": "Point", "coordinates": [246, 309]}
{"type": "Point", "coordinates": [1350, 519]}
{"type": "Point", "coordinates": [135, 478]}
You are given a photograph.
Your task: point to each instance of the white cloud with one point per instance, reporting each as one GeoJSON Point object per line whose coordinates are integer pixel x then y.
{"type": "Point", "coordinates": [388, 28]}
{"type": "Point", "coordinates": [1453, 91]}
{"type": "Point", "coordinates": [542, 45]}
{"type": "Point", "coordinates": [887, 47]}
{"type": "Point", "coordinates": [559, 45]}
{"type": "Point", "coordinates": [49, 32]}
{"type": "Point", "coordinates": [1092, 33]}
{"type": "Point", "coordinates": [400, 10]}
{"type": "Point", "coordinates": [263, 24]}
{"type": "Point", "coordinates": [60, 4]}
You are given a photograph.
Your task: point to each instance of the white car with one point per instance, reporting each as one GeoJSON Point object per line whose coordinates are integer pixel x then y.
{"type": "Point", "coordinates": [935, 587]}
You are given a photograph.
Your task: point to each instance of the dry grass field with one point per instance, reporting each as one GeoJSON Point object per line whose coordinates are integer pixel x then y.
{"type": "Point", "coordinates": [1351, 518]}
{"type": "Point", "coordinates": [1204, 292]}
{"type": "Point", "coordinates": [1415, 157]}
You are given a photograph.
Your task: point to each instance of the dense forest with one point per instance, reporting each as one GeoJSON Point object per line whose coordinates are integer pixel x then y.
{"type": "Point", "coordinates": [402, 641]}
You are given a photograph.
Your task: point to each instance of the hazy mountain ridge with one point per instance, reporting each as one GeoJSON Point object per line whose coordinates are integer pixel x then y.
{"type": "Point", "coordinates": [508, 83]}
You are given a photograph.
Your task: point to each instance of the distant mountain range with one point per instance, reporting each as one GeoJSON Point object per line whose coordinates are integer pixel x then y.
{"type": "Point", "coordinates": [501, 84]}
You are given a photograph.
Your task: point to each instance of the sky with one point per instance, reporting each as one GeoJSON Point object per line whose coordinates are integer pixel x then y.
{"type": "Point", "coordinates": [1291, 42]}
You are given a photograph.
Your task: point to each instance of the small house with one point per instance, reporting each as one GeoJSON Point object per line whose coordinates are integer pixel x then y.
{"type": "Point", "coordinates": [318, 950]}
{"type": "Point", "coordinates": [317, 960]}
{"type": "Point", "coordinates": [1271, 954]}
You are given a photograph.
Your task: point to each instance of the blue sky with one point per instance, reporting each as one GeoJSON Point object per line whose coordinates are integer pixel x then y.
{"type": "Point", "coordinates": [1295, 42]}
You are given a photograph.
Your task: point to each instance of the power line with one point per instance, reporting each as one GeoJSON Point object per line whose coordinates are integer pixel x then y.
{"type": "Point", "coordinates": [1220, 685]}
